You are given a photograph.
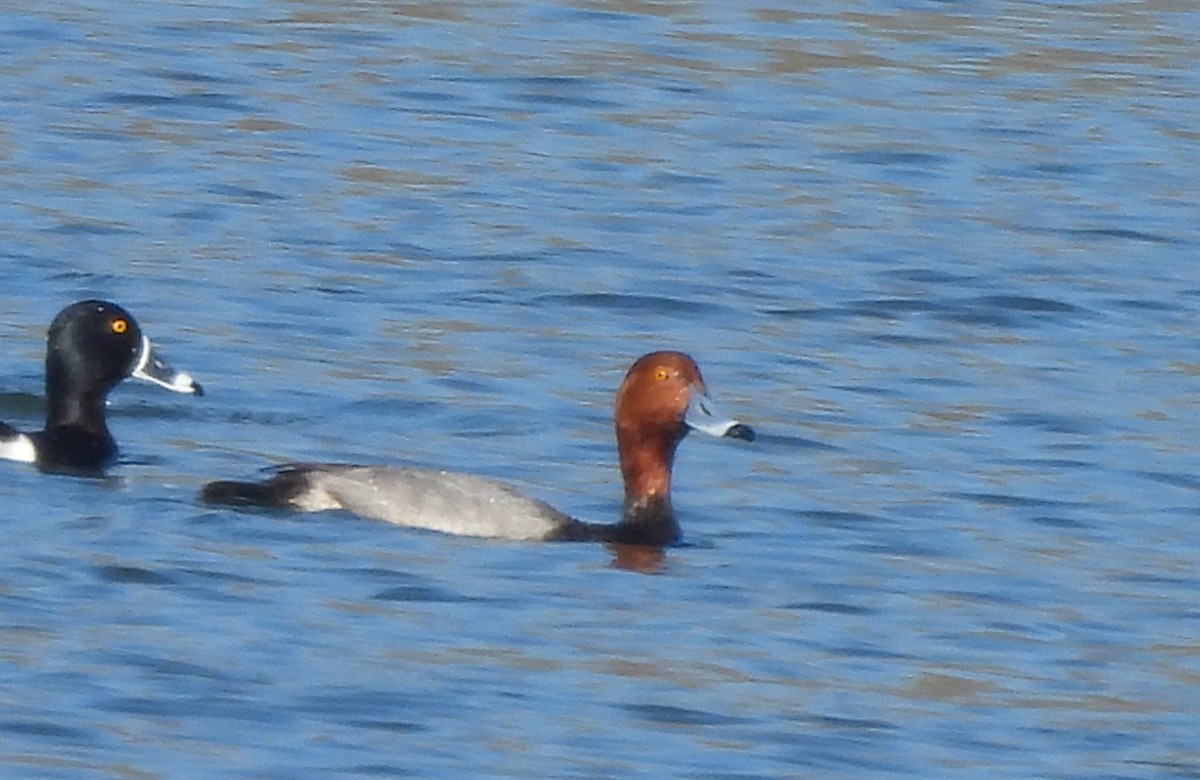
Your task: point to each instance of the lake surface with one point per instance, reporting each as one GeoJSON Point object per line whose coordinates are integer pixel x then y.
{"type": "Point", "coordinates": [943, 257]}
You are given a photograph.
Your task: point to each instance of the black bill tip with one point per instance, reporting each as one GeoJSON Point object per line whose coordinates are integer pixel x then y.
{"type": "Point", "coordinates": [740, 431]}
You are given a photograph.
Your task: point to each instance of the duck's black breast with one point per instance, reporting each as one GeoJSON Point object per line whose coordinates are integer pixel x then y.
{"type": "Point", "coordinates": [73, 449]}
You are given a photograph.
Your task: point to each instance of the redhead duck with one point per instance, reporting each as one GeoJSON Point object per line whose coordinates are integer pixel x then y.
{"type": "Point", "coordinates": [662, 398]}
{"type": "Point", "coordinates": [90, 348]}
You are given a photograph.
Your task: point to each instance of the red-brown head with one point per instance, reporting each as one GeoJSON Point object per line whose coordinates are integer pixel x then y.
{"type": "Point", "coordinates": [662, 398]}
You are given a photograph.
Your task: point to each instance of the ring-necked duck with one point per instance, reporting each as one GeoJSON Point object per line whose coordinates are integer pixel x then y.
{"type": "Point", "coordinates": [662, 398]}
{"type": "Point", "coordinates": [90, 348]}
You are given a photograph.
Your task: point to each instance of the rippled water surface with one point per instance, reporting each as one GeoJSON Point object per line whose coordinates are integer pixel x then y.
{"type": "Point", "coordinates": [942, 256]}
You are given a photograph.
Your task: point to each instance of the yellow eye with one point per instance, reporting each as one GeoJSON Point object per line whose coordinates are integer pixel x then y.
{"type": "Point", "coordinates": [118, 326]}
{"type": "Point", "coordinates": [661, 373]}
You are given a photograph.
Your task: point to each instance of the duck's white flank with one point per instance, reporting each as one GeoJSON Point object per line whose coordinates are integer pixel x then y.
{"type": "Point", "coordinates": [18, 447]}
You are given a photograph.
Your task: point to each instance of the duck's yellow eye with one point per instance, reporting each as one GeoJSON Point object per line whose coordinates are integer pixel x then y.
{"type": "Point", "coordinates": [119, 326]}
{"type": "Point", "coordinates": [661, 373]}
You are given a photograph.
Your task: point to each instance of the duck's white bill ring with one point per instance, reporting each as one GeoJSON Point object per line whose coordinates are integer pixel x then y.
{"type": "Point", "coordinates": [153, 369]}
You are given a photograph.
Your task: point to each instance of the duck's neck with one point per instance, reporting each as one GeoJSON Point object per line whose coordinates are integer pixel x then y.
{"type": "Point", "coordinates": [646, 459]}
{"type": "Point", "coordinates": [85, 411]}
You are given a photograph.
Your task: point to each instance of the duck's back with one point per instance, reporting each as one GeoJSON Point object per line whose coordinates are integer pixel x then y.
{"type": "Point", "coordinates": [444, 501]}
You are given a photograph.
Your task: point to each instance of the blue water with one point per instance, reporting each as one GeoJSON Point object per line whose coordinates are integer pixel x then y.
{"type": "Point", "coordinates": [942, 256]}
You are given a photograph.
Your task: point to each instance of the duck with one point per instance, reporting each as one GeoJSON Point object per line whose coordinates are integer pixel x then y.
{"type": "Point", "coordinates": [91, 347]}
{"type": "Point", "coordinates": [661, 399]}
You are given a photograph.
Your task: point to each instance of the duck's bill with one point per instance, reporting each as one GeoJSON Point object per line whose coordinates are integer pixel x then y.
{"type": "Point", "coordinates": [703, 415]}
{"type": "Point", "coordinates": [152, 368]}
